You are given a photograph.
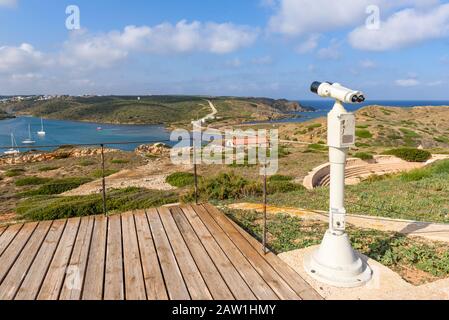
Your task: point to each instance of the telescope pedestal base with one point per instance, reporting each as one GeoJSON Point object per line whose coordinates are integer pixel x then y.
{"type": "Point", "coordinates": [337, 264]}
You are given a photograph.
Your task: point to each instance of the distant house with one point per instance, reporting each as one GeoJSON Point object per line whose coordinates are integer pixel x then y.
{"type": "Point", "coordinates": [246, 142]}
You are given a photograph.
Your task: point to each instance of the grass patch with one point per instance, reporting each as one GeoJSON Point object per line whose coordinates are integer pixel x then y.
{"type": "Point", "coordinates": [14, 172]}
{"type": "Point", "coordinates": [119, 161]}
{"type": "Point", "coordinates": [364, 156]}
{"type": "Point", "coordinates": [409, 133]}
{"type": "Point", "coordinates": [87, 163]}
{"type": "Point", "coordinates": [181, 179]}
{"type": "Point", "coordinates": [48, 168]}
{"type": "Point", "coordinates": [31, 181]}
{"type": "Point", "coordinates": [57, 186]}
{"type": "Point", "coordinates": [363, 134]}
{"type": "Point", "coordinates": [314, 126]}
{"type": "Point", "coordinates": [279, 177]}
{"type": "Point", "coordinates": [396, 251]}
{"type": "Point", "coordinates": [55, 207]}
{"type": "Point", "coordinates": [410, 154]}
{"type": "Point", "coordinates": [97, 174]}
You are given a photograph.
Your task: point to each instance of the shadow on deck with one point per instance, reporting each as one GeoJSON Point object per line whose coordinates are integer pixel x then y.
{"type": "Point", "coordinates": [179, 253]}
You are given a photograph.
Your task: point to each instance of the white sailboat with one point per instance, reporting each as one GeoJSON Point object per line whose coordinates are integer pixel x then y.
{"type": "Point", "coordinates": [29, 140]}
{"type": "Point", "coordinates": [12, 151]}
{"type": "Point", "coordinates": [42, 132]}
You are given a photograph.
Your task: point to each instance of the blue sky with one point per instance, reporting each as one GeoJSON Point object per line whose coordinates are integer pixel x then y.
{"type": "Point", "coordinates": [272, 48]}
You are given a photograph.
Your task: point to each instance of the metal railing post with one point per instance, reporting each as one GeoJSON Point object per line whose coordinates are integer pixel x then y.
{"type": "Point", "coordinates": [103, 180]}
{"type": "Point", "coordinates": [265, 251]}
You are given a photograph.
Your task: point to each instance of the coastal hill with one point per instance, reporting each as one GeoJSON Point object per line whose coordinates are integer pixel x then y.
{"type": "Point", "coordinates": [4, 115]}
{"type": "Point", "coordinates": [168, 110]}
{"type": "Point", "coordinates": [379, 126]}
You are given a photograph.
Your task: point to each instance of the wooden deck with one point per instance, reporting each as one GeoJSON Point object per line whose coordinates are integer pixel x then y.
{"type": "Point", "coordinates": [179, 253]}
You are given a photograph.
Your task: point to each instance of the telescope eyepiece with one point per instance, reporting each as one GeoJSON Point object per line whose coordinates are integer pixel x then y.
{"type": "Point", "coordinates": [315, 86]}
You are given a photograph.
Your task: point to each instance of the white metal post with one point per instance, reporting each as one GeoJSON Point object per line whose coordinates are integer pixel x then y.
{"type": "Point", "coordinates": [335, 262]}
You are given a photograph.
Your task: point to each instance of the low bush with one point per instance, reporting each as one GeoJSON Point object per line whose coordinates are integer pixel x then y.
{"type": "Point", "coordinates": [54, 207]}
{"type": "Point", "coordinates": [14, 172]}
{"type": "Point", "coordinates": [279, 177]}
{"type": "Point", "coordinates": [410, 154]}
{"type": "Point", "coordinates": [57, 186]}
{"type": "Point", "coordinates": [86, 163]}
{"type": "Point", "coordinates": [48, 168]}
{"type": "Point", "coordinates": [364, 134]}
{"type": "Point", "coordinates": [364, 156]}
{"type": "Point", "coordinates": [97, 174]}
{"type": "Point", "coordinates": [31, 181]}
{"type": "Point", "coordinates": [180, 179]}
{"type": "Point", "coordinates": [283, 187]}
{"type": "Point", "coordinates": [119, 161]}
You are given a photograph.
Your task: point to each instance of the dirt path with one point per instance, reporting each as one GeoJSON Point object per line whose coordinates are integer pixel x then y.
{"type": "Point", "coordinates": [427, 230]}
{"type": "Point", "coordinates": [148, 176]}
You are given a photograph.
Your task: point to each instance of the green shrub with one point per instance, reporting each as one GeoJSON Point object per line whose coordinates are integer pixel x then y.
{"type": "Point", "coordinates": [314, 126]}
{"type": "Point", "coordinates": [364, 126]}
{"type": "Point", "coordinates": [47, 168]}
{"type": "Point", "coordinates": [279, 177]}
{"type": "Point", "coordinates": [54, 207]}
{"type": "Point", "coordinates": [364, 156]}
{"type": "Point", "coordinates": [86, 163]}
{"type": "Point", "coordinates": [181, 179]}
{"type": "Point", "coordinates": [97, 174]}
{"type": "Point", "coordinates": [409, 133]}
{"type": "Point", "coordinates": [317, 147]}
{"type": "Point", "coordinates": [14, 172]}
{"type": "Point", "coordinates": [364, 134]}
{"type": "Point", "coordinates": [224, 186]}
{"type": "Point", "coordinates": [415, 175]}
{"type": "Point", "coordinates": [119, 161]}
{"type": "Point", "coordinates": [58, 186]}
{"type": "Point", "coordinates": [31, 181]}
{"type": "Point", "coordinates": [274, 187]}
{"type": "Point", "coordinates": [410, 154]}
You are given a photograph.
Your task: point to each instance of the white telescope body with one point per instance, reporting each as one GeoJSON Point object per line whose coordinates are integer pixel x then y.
{"type": "Point", "coordinates": [335, 262]}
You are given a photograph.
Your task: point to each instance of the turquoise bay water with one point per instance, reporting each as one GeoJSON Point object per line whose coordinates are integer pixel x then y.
{"type": "Point", "coordinates": [60, 132]}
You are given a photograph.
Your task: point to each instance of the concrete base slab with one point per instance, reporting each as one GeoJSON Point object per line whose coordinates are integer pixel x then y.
{"type": "Point", "coordinates": [384, 285]}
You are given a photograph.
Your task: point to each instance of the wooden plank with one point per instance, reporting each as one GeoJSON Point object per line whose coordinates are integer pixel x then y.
{"type": "Point", "coordinates": [114, 284]}
{"type": "Point", "coordinates": [18, 271]}
{"type": "Point", "coordinates": [14, 249]}
{"type": "Point", "coordinates": [195, 283]}
{"type": "Point", "coordinates": [295, 281]}
{"type": "Point", "coordinates": [154, 281]}
{"type": "Point", "coordinates": [54, 278]}
{"type": "Point", "coordinates": [281, 288]}
{"type": "Point", "coordinates": [74, 278]}
{"type": "Point", "coordinates": [51, 287]}
{"type": "Point", "coordinates": [217, 286]}
{"type": "Point", "coordinates": [134, 283]}
{"type": "Point", "coordinates": [176, 287]}
{"type": "Point", "coordinates": [93, 285]}
{"type": "Point", "coordinates": [36, 274]}
{"type": "Point", "coordinates": [232, 277]}
{"type": "Point", "coordinates": [8, 235]}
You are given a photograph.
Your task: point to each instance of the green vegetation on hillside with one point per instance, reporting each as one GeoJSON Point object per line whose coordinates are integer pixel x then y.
{"type": "Point", "coordinates": [180, 179]}
{"type": "Point", "coordinates": [56, 207]}
{"type": "Point", "coordinates": [420, 195]}
{"type": "Point", "coordinates": [410, 154]}
{"type": "Point", "coordinates": [394, 250]}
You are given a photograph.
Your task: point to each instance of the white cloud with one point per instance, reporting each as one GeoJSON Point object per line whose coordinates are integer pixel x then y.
{"type": "Point", "coordinates": [184, 37]}
{"type": "Point", "coordinates": [297, 17]}
{"type": "Point", "coordinates": [22, 59]}
{"type": "Point", "coordinates": [367, 64]}
{"type": "Point", "coordinates": [331, 52]}
{"type": "Point", "coordinates": [404, 28]}
{"type": "Point", "coordinates": [309, 45]}
{"type": "Point", "coordinates": [8, 3]}
{"type": "Point", "coordinates": [411, 82]}
{"type": "Point", "coordinates": [265, 60]}
{"type": "Point", "coordinates": [234, 63]}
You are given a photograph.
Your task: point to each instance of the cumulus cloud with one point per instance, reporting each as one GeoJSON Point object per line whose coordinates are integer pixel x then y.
{"type": "Point", "coordinates": [309, 45]}
{"type": "Point", "coordinates": [184, 37]}
{"type": "Point", "coordinates": [331, 52]}
{"type": "Point", "coordinates": [411, 82]}
{"type": "Point", "coordinates": [404, 28]}
{"type": "Point", "coordinates": [22, 59]}
{"type": "Point", "coordinates": [299, 17]}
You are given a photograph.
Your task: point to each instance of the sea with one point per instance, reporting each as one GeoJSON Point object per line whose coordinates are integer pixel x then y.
{"type": "Point", "coordinates": [62, 132]}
